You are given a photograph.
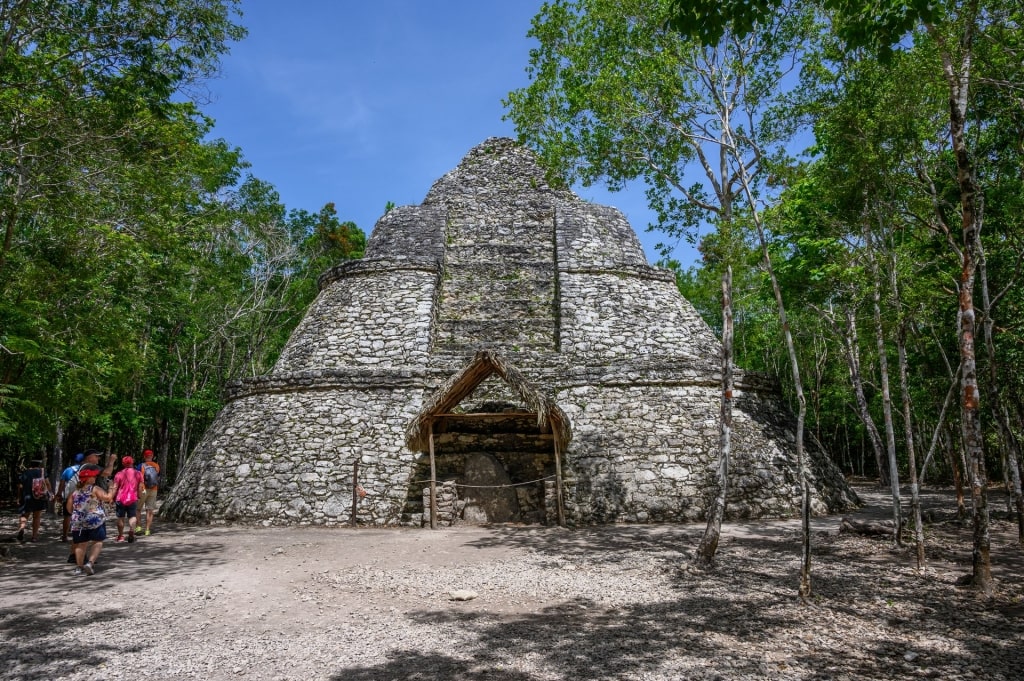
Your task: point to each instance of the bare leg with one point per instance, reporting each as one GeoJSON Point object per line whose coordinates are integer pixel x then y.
{"type": "Point", "coordinates": [36, 517]}
{"type": "Point", "coordinates": [94, 551]}
{"type": "Point", "coordinates": [79, 550]}
{"type": "Point", "coordinates": [120, 527]}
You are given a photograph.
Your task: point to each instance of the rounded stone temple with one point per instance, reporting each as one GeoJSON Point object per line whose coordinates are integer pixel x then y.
{"type": "Point", "coordinates": [509, 341]}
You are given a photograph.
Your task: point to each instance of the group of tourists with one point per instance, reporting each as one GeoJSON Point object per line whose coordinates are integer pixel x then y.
{"type": "Point", "coordinates": [84, 491]}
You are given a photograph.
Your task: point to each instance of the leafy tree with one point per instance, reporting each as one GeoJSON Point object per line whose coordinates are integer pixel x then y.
{"type": "Point", "coordinates": [139, 270]}
{"type": "Point", "coordinates": [959, 35]}
{"type": "Point", "coordinates": [615, 96]}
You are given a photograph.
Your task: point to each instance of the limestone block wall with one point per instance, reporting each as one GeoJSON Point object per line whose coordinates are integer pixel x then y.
{"type": "Point", "coordinates": [594, 236]}
{"type": "Point", "coordinates": [498, 280]}
{"type": "Point", "coordinates": [648, 453]}
{"type": "Point", "coordinates": [280, 458]}
{"type": "Point", "coordinates": [374, 313]}
{"type": "Point", "coordinates": [409, 232]}
{"type": "Point", "coordinates": [629, 314]}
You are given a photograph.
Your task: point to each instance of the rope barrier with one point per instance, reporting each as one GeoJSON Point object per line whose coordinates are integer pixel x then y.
{"type": "Point", "coordinates": [516, 484]}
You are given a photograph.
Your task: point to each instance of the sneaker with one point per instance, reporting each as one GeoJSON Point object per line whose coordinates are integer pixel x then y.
{"type": "Point", "coordinates": [146, 534]}
{"type": "Point", "coordinates": [71, 558]}
{"type": "Point", "coordinates": [87, 569]}
{"type": "Point", "coordinates": [131, 537]}
{"type": "Point", "coordinates": [77, 572]}
{"type": "Point", "coordinates": [21, 535]}
{"type": "Point", "coordinates": [120, 538]}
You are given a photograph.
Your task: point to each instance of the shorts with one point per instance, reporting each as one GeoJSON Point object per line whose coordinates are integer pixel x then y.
{"type": "Point", "coordinates": [122, 510]}
{"type": "Point", "coordinates": [148, 500]}
{"type": "Point", "coordinates": [32, 505]}
{"type": "Point", "coordinates": [95, 534]}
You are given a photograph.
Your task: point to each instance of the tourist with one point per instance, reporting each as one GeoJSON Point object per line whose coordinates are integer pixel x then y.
{"type": "Point", "coordinates": [151, 479]}
{"type": "Point", "coordinates": [90, 458]}
{"type": "Point", "coordinates": [34, 497]}
{"type": "Point", "coordinates": [128, 487]}
{"type": "Point", "coordinates": [64, 491]}
{"type": "Point", "coordinates": [105, 476]}
{"type": "Point", "coordinates": [88, 519]}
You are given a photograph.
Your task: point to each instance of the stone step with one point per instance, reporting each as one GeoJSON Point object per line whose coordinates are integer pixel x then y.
{"type": "Point", "coordinates": [457, 308]}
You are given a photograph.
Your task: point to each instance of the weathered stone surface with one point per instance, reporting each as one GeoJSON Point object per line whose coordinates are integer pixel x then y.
{"type": "Point", "coordinates": [494, 258]}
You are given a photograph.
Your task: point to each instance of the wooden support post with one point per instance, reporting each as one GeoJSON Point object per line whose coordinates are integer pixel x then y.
{"type": "Point", "coordinates": [558, 480]}
{"type": "Point", "coordinates": [433, 482]}
{"type": "Point", "coordinates": [355, 491]}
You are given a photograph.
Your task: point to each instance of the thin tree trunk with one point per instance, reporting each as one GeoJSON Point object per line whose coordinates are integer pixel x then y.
{"type": "Point", "coordinates": [957, 465]}
{"type": "Point", "coordinates": [939, 424]}
{"type": "Point", "coordinates": [57, 461]}
{"type": "Point", "coordinates": [857, 381]}
{"type": "Point", "coordinates": [182, 457]}
{"type": "Point", "coordinates": [1011, 446]}
{"type": "Point", "coordinates": [883, 366]}
{"type": "Point", "coordinates": [709, 542]}
{"type": "Point", "coordinates": [958, 78]}
{"type": "Point", "coordinates": [908, 428]}
{"type": "Point", "coordinates": [794, 365]}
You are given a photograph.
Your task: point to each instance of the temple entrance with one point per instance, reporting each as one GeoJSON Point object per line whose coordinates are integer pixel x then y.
{"type": "Point", "coordinates": [492, 450]}
{"type": "Point", "coordinates": [495, 466]}
{"type": "Point", "coordinates": [489, 494]}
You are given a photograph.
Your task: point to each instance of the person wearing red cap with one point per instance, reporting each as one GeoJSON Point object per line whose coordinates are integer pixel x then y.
{"type": "Point", "coordinates": [128, 486]}
{"type": "Point", "coordinates": [88, 519]}
{"type": "Point", "coordinates": [151, 479]}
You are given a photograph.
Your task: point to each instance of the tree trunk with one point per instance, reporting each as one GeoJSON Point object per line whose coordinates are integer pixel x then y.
{"type": "Point", "coordinates": [957, 467]}
{"type": "Point", "coordinates": [1011, 446]}
{"type": "Point", "coordinates": [709, 542]}
{"type": "Point", "coordinates": [908, 428]}
{"type": "Point", "coordinates": [940, 424]}
{"type": "Point", "coordinates": [57, 463]}
{"type": "Point", "coordinates": [182, 457]}
{"type": "Point", "coordinates": [794, 365]}
{"type": "Point", "coordinates": [958, 78]}
{"type": "Point", "coordinates": [883, 367]}
{"type": "Point", "coordinates": [856, 379]}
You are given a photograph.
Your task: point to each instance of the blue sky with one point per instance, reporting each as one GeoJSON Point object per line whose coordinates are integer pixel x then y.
{"type": "Point", "coordinates": [363, 103]}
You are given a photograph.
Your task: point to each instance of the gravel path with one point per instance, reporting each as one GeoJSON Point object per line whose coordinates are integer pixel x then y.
{"type": "Point", "coordinates": [598, 603]}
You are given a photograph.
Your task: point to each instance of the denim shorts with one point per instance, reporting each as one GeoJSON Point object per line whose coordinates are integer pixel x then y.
{"type": "Point", "coordinates": [122, 510]}
{"type": "Point", "coordinates": [95, 534]}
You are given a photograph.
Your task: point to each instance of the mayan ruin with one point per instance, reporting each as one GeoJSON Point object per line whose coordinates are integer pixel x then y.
{"type": "Point", "coordinates": [514, 336]}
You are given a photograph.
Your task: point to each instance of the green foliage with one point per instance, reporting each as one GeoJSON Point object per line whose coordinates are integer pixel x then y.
{"type": "Point", "coordinates": [874, 24]}
{"type": "Point", "coordinates": [618, 93]}
{"type": "Point", "coordinates": [140, 271]}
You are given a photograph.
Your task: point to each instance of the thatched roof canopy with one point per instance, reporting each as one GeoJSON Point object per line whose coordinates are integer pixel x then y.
{"type": "Point", "coordinates": [462, 384]}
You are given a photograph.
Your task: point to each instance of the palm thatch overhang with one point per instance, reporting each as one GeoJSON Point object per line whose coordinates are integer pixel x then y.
{"type": "Point", "coordinates": [462, 384]}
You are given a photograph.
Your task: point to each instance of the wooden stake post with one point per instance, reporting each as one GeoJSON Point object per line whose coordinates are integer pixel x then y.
{"type": "Point", "coordinates": [355, 491]}
{"type": "Point", "coordinates": [558, 478]}
{"type": "Point", "coordinates": [433, 481]}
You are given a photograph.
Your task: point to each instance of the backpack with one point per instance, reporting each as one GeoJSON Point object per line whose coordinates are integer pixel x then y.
{"type": "Point", "coordinates": [39, 490]}
{"type": "Point", "coordinates": [150, 476]}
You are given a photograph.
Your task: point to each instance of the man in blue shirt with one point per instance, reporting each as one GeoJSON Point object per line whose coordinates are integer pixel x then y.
{"type": "Point", "coordinates": [63, 490]}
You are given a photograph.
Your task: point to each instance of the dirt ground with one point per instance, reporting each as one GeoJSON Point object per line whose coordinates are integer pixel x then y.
{"type": "Point", "coordinates": [236, 602]}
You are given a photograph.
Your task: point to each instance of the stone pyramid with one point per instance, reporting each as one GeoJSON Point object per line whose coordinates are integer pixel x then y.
{"type": "Point", "coordinates": [479, 314]}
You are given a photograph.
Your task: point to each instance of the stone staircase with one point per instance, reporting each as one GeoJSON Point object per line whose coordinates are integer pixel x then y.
{"type": "Point", "coordinates": [498, 285]}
